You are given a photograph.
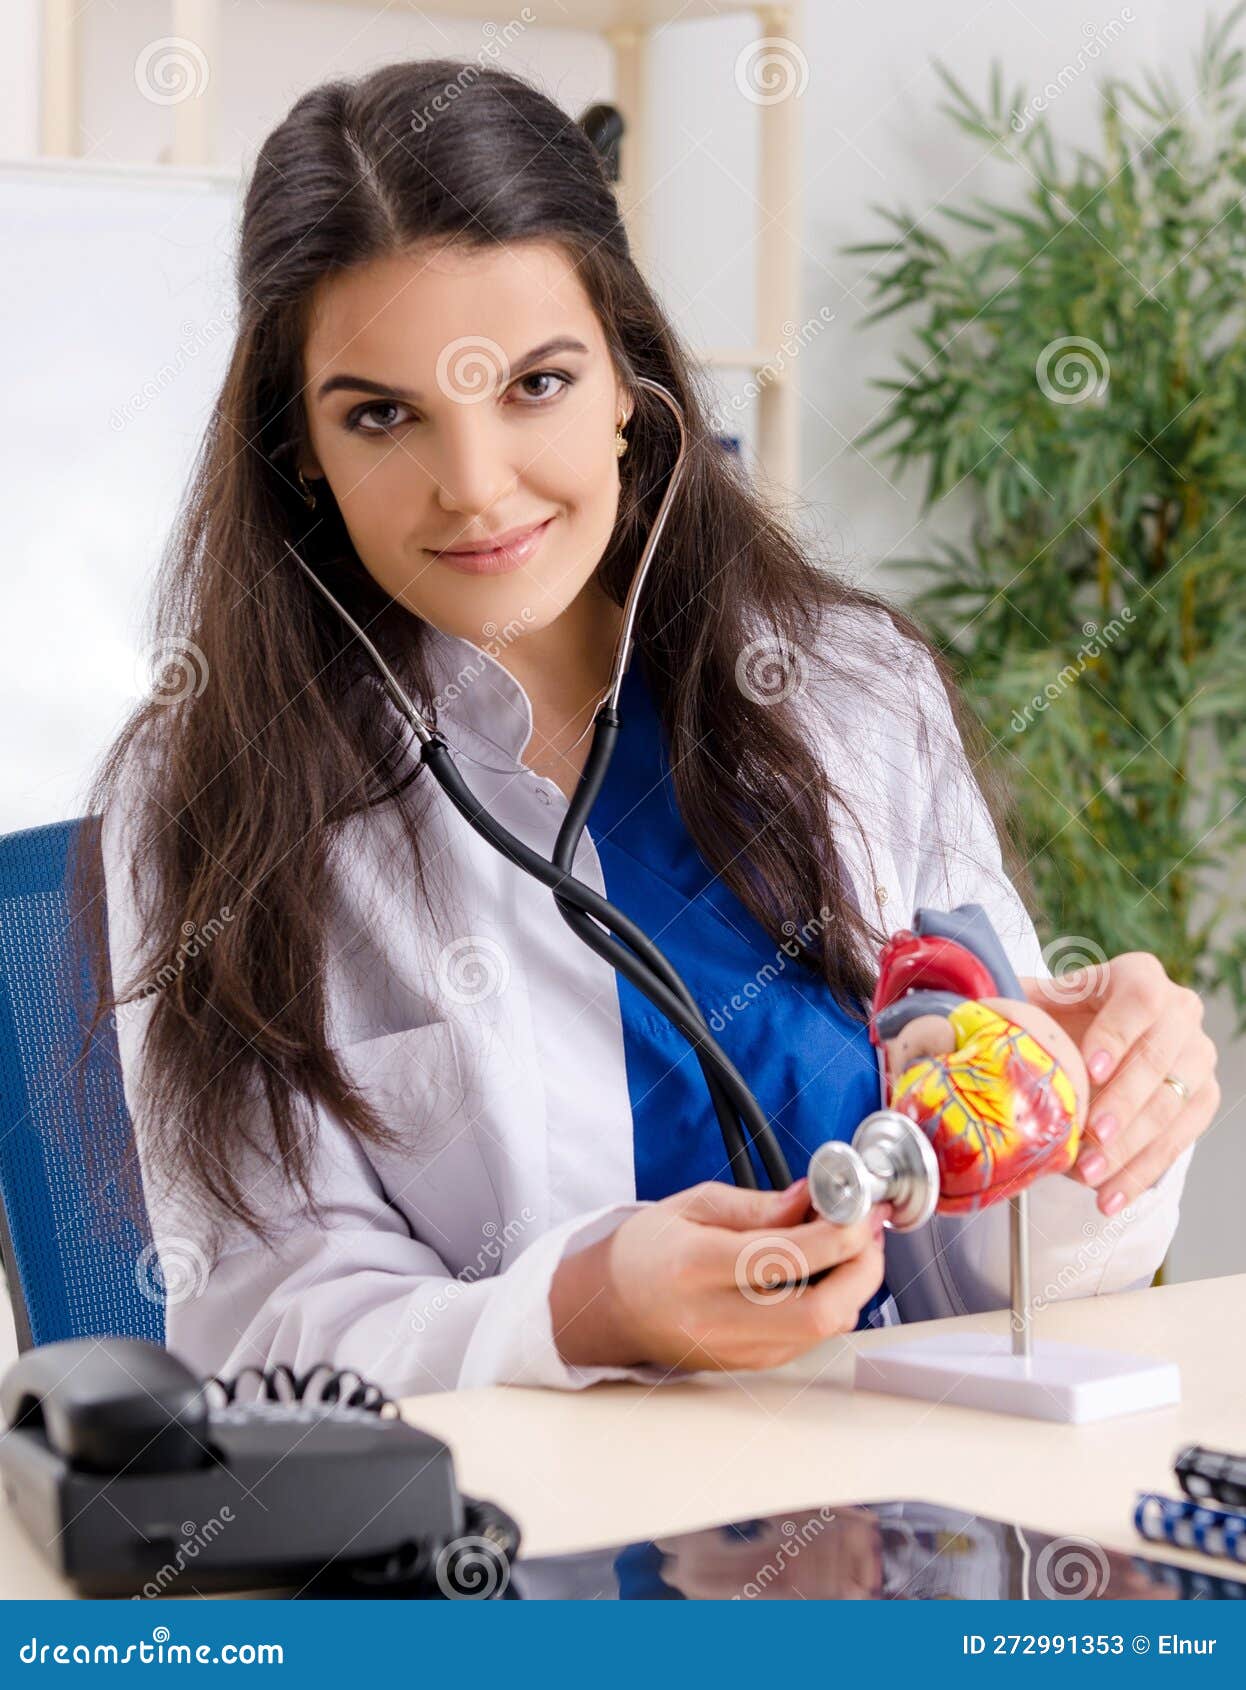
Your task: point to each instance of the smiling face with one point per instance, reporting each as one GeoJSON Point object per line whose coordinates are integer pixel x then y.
{"type": "Point", "coordinates": [437, 430]}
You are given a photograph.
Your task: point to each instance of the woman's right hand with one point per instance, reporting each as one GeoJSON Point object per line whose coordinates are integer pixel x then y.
{"type": "Point", "coordinates": [715, 1277]}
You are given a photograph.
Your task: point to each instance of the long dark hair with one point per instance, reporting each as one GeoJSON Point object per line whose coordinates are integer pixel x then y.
{"type": "Point", "coordinates": [270, 743]}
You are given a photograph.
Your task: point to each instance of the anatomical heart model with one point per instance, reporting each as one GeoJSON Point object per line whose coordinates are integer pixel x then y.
{"type": "Point", "coordinates": [998, 1087]}
{"type": "Point", "coordinates": [984, 1094]}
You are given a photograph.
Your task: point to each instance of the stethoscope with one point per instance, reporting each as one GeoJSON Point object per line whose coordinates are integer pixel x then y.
{"type": "Point", "coordinates": [604, 928]}
{"type": "Point", "coordinates": [890, 1159]}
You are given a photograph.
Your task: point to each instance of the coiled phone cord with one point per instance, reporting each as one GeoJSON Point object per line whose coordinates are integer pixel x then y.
{"type": "Point", "coordinates": [343, 1386]}
{"type": "Point", "coordinates": [477, 1564]}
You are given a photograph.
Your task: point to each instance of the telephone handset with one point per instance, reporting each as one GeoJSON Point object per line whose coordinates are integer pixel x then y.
{"type": "Point", "coordinates": [134, 1475]}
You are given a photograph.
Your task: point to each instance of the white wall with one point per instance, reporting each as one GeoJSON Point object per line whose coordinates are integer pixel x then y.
{"type": "Point", "coordinates": [871, 133]}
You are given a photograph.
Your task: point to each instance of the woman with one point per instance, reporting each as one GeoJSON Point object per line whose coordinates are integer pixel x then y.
{"type": "Point", "coordinates": [390, 1112]}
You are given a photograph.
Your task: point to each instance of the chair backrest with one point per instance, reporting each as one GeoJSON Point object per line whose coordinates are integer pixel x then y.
{"type": "Point", "coordinates": [78, 1266]}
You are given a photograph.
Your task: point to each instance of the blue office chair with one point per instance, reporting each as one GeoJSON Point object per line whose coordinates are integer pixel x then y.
{"type": "Point", "coordinates": [77, 1265]}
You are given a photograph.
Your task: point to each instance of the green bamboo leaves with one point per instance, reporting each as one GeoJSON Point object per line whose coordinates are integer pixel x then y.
{"type": "Point", "coordinates": [1078, 364]}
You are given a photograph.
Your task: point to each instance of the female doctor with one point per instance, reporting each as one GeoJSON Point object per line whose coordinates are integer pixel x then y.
{"type": "Point", "coordinates": [389, 1111]}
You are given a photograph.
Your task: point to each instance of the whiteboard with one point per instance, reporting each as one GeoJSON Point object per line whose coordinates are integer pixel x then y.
{"type": "Point", "coordinates": [117, 305]}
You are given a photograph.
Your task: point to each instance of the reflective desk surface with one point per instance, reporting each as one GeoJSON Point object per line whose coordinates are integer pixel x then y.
{"type": "Point", "coordinates": [619, 1463]}
{"type": "Point", "coordinates": [622, 1462]}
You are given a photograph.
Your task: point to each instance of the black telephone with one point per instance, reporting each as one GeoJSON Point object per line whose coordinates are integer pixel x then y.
{"type": "Point", "coordinates": [137, 1478]}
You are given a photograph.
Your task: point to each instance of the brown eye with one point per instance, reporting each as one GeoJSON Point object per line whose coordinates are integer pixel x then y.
{"type": "Point", "coordinates": [545, 375]}
{"type": "Point", "coordinates": [355, 420]}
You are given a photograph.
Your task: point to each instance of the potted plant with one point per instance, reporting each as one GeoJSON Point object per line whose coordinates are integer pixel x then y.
{"type": "Point", "coordinates": [1078, 367]}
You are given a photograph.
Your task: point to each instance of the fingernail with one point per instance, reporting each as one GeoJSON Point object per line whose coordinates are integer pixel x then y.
{"type": "Point", "coordinates": [1114, 1202]}
{"type": "Point", "coordinates": [1100, 1065]}
{"type": "Point", "coordinates": [1102, 1127]}
{"type": "Point", "coordinates": [1092, 1167]}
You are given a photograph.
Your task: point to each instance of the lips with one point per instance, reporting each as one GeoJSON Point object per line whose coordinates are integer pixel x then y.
{"type": "Point", "coordinates": [497, 542]}
{"type": "Point", "coordinates": [514, 548]}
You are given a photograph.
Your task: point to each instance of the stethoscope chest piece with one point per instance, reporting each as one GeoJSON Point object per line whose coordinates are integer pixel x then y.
{"type": "Point", "coordinates": [890, 1160]}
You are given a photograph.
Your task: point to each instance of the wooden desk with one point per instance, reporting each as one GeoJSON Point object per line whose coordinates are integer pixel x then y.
{"type": "Point", "coordinates": [622, 1463]}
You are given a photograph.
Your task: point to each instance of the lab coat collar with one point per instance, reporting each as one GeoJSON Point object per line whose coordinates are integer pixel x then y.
{"type": "Point", "coordinates": [473, 690]}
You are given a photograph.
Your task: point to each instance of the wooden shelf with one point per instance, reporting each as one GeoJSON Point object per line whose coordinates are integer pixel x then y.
{"type": "Point", "coordinates": [597, 16]}
{"type": "Point", "coordinates": [628, 26]}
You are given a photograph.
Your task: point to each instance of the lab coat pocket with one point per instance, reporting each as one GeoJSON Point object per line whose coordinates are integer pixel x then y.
{"type": "Point", "coordinates": [439, 1180]}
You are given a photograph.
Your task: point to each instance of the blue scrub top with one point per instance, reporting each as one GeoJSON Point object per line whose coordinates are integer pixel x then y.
{"type": "Point", "coordinates": [810, 1066]}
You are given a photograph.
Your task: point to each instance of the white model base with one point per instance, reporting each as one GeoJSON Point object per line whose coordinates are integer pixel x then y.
{"type": "Point", "coordinates": [1068, 1382]}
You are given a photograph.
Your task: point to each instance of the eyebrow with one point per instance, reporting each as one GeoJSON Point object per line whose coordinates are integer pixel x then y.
{"type": "Point", "coordinates": [365, 384]}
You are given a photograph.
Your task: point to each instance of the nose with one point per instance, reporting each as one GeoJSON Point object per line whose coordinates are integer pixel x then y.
{"type": "Point", "coordinates": [472, 461]}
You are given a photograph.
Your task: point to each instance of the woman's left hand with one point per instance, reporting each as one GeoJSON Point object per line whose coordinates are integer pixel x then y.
{"type": "Point", "coordinates": [1134, 1026]}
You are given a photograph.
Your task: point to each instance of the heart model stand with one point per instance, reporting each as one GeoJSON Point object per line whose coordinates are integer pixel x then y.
{"type": "Point", "coordinates": [992, 1109]}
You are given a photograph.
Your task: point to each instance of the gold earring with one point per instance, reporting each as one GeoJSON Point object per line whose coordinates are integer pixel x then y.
{"type": "Point", "coordinates": [620, 445]}
{"type": "Point", "coordinates": [309, 498]}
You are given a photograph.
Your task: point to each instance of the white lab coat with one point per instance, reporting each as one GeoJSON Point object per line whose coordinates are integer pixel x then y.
{"type": "Point", "coordinates": [497, 1047]}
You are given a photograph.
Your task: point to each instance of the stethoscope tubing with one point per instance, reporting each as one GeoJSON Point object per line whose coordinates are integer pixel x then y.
{"type": "Point", "coordinates": [604, 928]}
{"type": "Point", "coordinates": [606, 731]}
{"type": "Point", "coordinates": [638, 959]}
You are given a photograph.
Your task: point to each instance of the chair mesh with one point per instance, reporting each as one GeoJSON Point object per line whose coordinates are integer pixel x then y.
{"type": "Point", "coordinates": [78, 1265]}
